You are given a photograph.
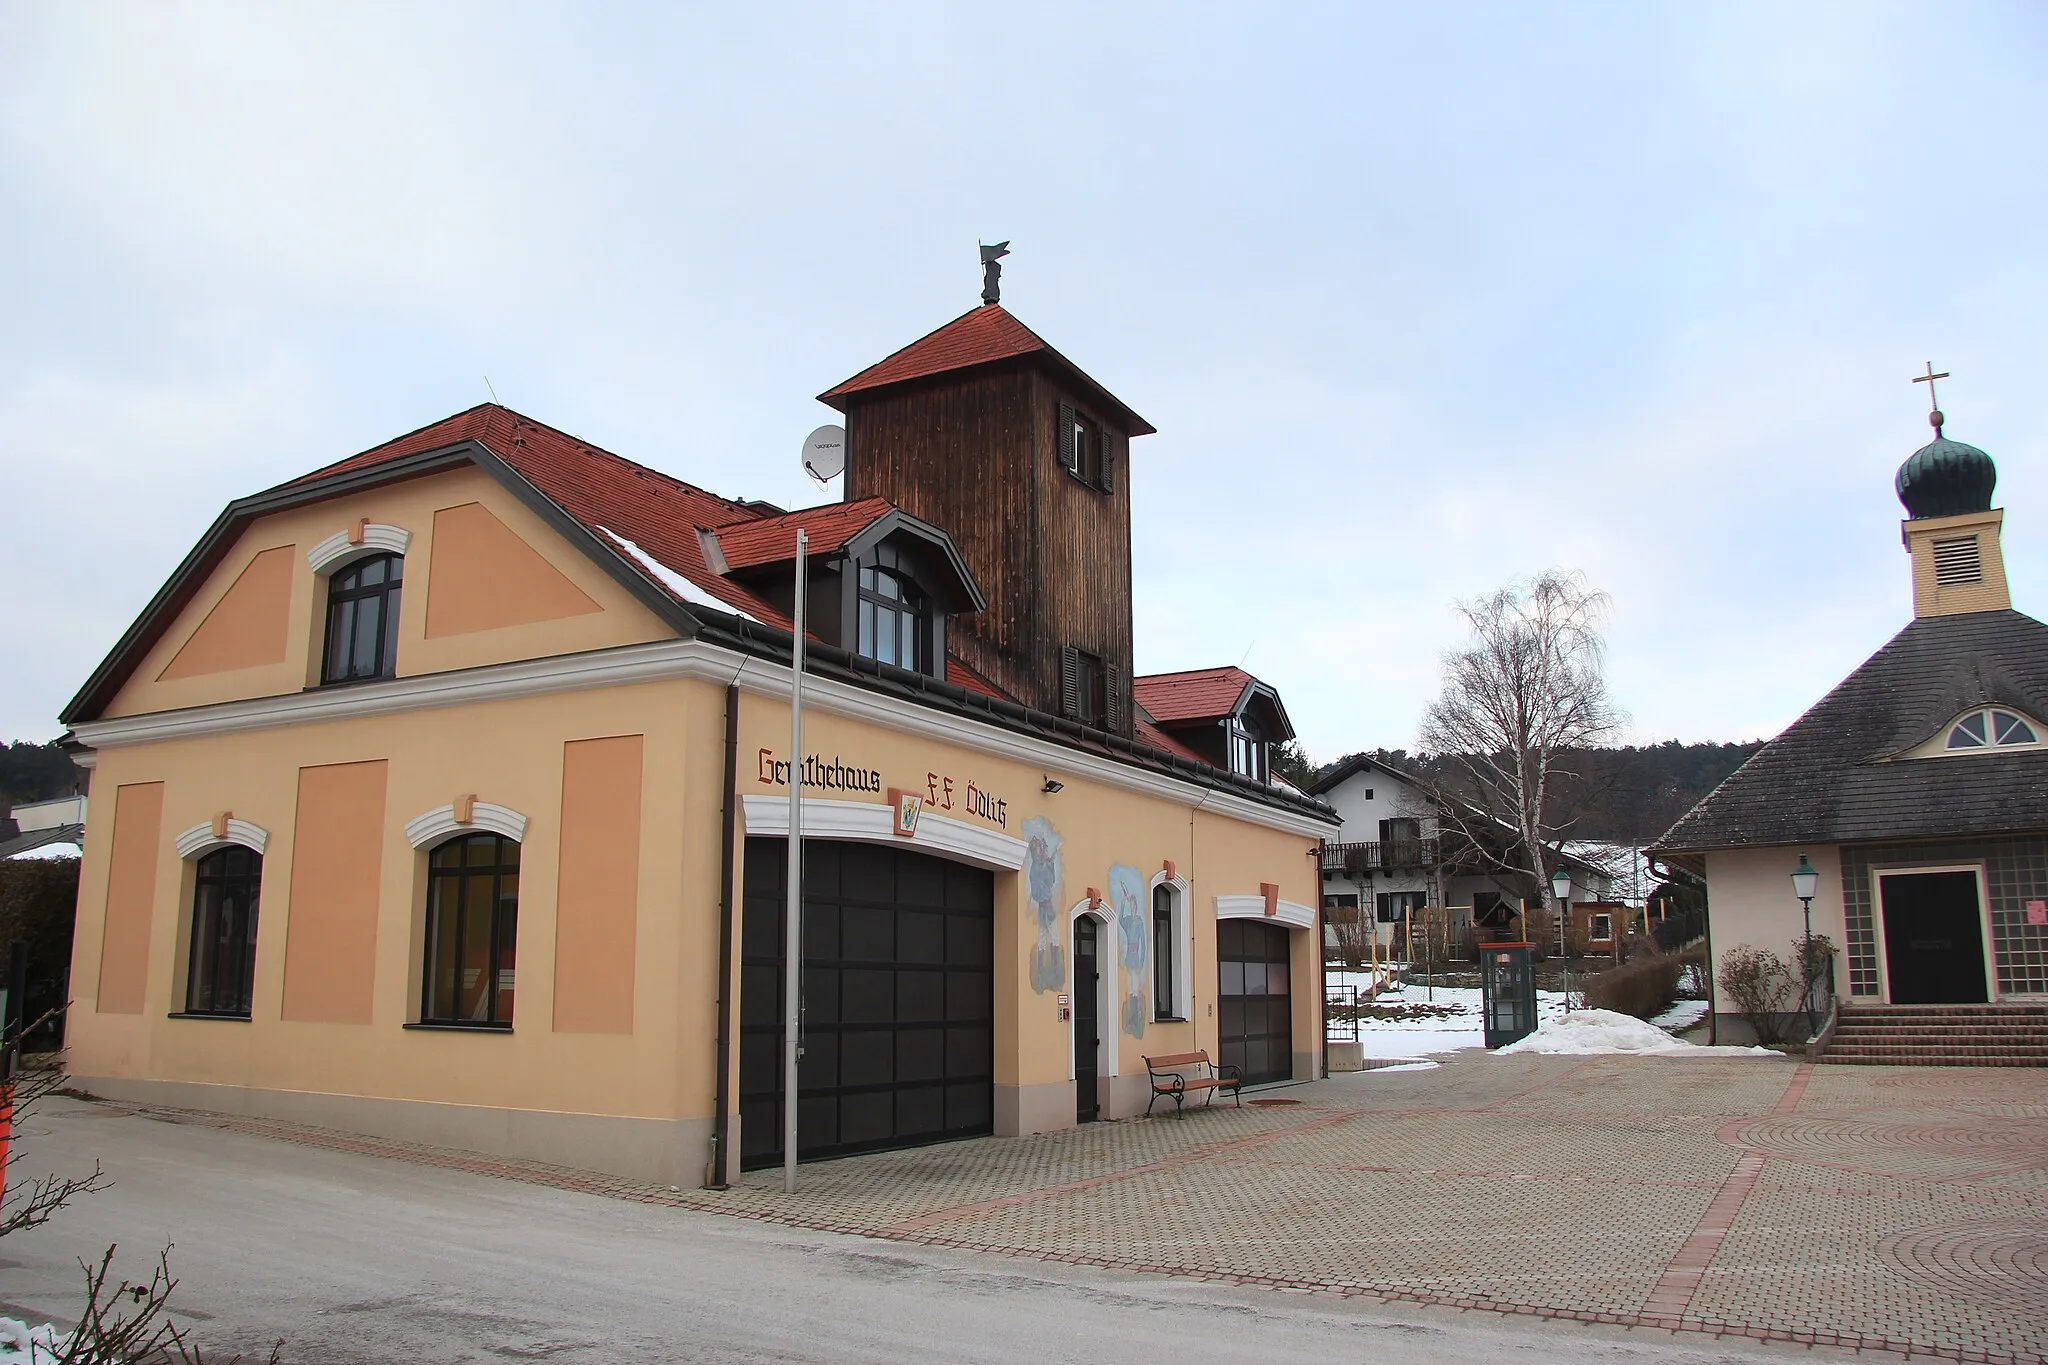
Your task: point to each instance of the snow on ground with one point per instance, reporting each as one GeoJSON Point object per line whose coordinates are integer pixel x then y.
{"type": "Point", "coordinates": [1593, 1033]}
{"type": "Point", "coordinates": [1415, 1022]}
{"type": "Point", "coordinates": [29, 1345]}
{"type": "Point", "coordinates": [1681, 1016]}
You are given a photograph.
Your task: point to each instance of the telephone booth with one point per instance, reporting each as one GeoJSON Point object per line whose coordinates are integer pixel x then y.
{"type": "Point", "coordinates": [1508, 981]}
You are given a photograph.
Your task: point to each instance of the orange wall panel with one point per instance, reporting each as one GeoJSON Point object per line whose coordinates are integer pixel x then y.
{"type": "Point", "coordinates": [330, 954]}
{"type": "Point", "coordinates": [131, 886]}
{"type": "Point", "coordinates": [598, 897]}
{"type": "Point", "coordinates": [483, 576]}
{"type": "Point", "coordinates": [248, 627]}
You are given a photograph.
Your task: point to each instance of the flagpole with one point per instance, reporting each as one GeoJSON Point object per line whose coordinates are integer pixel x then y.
{"type": "Point", "coordinates": [793, 915]}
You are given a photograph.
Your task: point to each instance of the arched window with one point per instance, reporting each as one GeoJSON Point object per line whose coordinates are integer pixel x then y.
{"type": "Point", "coordinates": [362, 620]}
{"type": "Point", "coordinates": [1165, 1000]}
{"type": "Point", "coordinates": [895, 615]}
{"type": "Point", "coordinates": [1992, 728]}
{"type": "Point", "coordinates": [472, 931]}
{"type": "Point", "coordinates": [223, 965]}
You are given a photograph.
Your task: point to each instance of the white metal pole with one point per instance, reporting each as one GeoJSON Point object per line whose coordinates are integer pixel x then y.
{"type": "Point", "coordinates": [793, 911]}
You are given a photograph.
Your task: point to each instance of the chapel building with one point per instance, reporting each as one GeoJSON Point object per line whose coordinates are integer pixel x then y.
{"type": "Point", "coordinates": [442, 793]}
{"type": "Point", "coordinates": [1918, 790]}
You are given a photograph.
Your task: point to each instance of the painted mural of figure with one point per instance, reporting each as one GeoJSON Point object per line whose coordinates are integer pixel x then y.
{"type": "Point", "coordinates": [1127, 900]}
{"type": "Point", "coordinates": [1042, 881]}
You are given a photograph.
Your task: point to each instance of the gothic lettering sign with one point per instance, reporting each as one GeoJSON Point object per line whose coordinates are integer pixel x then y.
{"type": "Point", "coordinates": [942, 791]}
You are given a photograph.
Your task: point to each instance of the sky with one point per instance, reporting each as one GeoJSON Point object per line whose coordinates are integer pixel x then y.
{"type": "Point", "coordinates": [1423, 300]}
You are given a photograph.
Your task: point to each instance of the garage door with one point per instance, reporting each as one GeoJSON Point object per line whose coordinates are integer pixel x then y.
{"type": "Point", "coordinates": [1255, 1017]}
{"type": "Point", "coordinates": [899, 1000]}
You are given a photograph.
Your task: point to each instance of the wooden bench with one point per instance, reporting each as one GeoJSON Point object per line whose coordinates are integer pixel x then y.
{"type": "Point", "coordinates": [1180, 1074]}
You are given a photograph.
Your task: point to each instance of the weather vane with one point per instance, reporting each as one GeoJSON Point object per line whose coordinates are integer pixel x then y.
{"type": "Point", "coordinates": [1934, 417]}
{"type": "Point", "coordinates": [992, 271]}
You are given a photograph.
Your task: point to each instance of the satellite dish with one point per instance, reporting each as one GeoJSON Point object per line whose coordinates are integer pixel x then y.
{"type": "Point", "coordinates": [825, 453]}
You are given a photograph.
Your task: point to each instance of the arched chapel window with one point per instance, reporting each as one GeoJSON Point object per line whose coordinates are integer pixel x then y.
{"type": "Point", "coordinates": [1992, 728]}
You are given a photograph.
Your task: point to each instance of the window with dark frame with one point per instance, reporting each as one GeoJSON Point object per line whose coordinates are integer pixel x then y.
{"type": "Point", "coordinates": [1164, 1005]}
{"type": "Point", "coordinates": [222, 973]}
{"type": "Point", "coordinates": [362, 620]}
{"type": "Point", "coordinates": [895, 615]}
{"type": "Point", "coordinates": [472, 932]}
{"type": "Point", "coordinates": [1247, 750]}
{"type": "Point", "coordinates": [1394, 905]}
{"type": "Point", "coordinates": [1086, 450]}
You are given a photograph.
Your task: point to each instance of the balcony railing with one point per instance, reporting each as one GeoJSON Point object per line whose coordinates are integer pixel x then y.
{"type": "Point", "coordinates": [1391, 855]}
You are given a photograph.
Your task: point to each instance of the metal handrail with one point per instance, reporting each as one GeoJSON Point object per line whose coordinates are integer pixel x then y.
{"type": "Point", "coordinates": [1377, 854]}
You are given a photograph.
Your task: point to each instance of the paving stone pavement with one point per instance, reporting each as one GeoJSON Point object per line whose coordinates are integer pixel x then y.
{"type": "Point", "coordinates": [1901, 1210]}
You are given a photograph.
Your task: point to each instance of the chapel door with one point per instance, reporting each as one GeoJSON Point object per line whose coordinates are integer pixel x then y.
{"type": "Point", "coordinates": [1933, 938]}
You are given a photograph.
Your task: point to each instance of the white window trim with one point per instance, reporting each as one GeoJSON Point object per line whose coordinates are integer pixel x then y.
{"type": "Point", "coordinates": [1937, 746]}
{"type": "Point", "coordinates": [438, 825]}
{"type": "Point", "coordinates": [868, 822]}
{"type": "Point", "coordinates": [338, 550]}
{"type": "Point", "coordinates": [1107, 1021]}
{"type": "Point", "coordinates": [199, 840]}
{"type": "Point", "coordinates": [1183, 945]}
{"type": "Point", "coordinates": [1293, 915]}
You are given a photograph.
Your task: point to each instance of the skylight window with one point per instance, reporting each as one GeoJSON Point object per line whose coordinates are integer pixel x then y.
{"type": "Point", "coordinates": [1992, 728]}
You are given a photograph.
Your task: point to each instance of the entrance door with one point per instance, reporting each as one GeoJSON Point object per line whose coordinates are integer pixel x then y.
{"type": "Point", "coordinates": [1933, 938]}
{"type": "Point", "coordinates": [1255, 1019]}
{"type": "Point", "coordinates": [899, 1000]}
{"type": "Point", "coordinates": [1087, 1014]}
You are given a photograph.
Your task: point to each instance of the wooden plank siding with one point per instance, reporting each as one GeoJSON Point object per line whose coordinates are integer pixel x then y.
{"type": "Point", "coordinates": [975, 453]}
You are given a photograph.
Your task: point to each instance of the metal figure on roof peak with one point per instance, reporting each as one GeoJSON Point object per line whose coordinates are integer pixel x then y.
{"type": "Point", "coordinates": [992, 271]}
{"type": "Point", "coordinates": [1934, 417]}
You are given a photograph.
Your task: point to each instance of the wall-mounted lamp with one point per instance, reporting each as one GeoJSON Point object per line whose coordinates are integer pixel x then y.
{"type": "Point", "coordinates": [1052, 784]}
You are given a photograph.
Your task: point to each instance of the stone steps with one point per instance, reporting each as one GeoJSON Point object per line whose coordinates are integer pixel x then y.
{"type": "Point", "coordinates": [1940, 1035]}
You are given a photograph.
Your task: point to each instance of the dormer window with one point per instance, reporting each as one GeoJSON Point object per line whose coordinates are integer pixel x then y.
{"type": "Point", "coordinates": [1247, 750]}
{"type": "Point", "coordinates": [895, 614]}
{"type": "Point", "coordinates": [1992, 728]}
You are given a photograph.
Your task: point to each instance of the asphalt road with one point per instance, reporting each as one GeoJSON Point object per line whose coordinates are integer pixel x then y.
{"type": "Point", "coordinates": [361, 1260]}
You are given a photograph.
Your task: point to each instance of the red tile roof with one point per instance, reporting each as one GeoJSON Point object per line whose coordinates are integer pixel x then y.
{"type": "Point", "coordinates": [1148, 733]}
{"type": "Point", "coordinates": [772, 540]}
{"type": "Point", "coordinates": [1196, 694]}
{"type": "Point", "coordinates": [618, 499]}
{"type": "Point", "coordinates": [981, 337]}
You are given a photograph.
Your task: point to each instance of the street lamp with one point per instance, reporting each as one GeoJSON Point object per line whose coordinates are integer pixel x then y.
{"type": "Point", "coordinates": [1561, 887]}
{"type": "Point", "coordinates": [1805, 885]}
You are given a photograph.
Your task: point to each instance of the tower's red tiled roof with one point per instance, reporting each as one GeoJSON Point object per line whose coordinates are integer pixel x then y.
{"type": "Point", "coordinates": [1196, 694]}
{"type": "Point", "coordinates": [772, 540]}
{"type": "Point", "coordinates": [981, 337]}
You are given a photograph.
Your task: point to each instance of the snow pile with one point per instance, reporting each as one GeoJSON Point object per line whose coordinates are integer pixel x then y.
{"type": "Point", "coordinates": [21, 1344]}
{"type": "Point", "coordinates": [1594, 1033]}
{"type": "Point", "coordinates": [670, 579]}
{"type": "Point", "coordinates": [1682, 1015]}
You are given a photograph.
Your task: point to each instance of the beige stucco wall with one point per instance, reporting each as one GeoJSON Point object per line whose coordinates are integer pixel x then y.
{"type": "Point", "coordinates": [1750, 900]}
{"type": "Point", "coordinates": [411, 505]}
{"type": "Point", "coordinates": [509, 753]}
{"type": "Point", "coordinates": [1930, 598]}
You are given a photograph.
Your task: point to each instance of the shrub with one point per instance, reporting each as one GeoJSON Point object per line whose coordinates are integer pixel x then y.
{"type": "Point", "coordinates": [1762, 986]}
{"type": "Point", "coordinates": [1644, 987]}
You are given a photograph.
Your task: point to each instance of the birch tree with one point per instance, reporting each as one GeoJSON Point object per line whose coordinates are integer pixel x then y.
{"type": "Point", "coordinates": [1524, 689]}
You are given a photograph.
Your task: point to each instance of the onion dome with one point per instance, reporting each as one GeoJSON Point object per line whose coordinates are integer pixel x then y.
{"type": "Point", "coordinates": [1945, 478]}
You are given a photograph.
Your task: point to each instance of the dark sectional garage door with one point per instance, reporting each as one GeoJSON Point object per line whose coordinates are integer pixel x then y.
{"type": "Point", "coordinates": [1255, 1027]}
{"type": "Point", "coordinates": [899, 1000]}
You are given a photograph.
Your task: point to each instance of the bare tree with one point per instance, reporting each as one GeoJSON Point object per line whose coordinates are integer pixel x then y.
{"type": "Point", "coordinates": [26, 1204]}
{"type": "Point", "coordinates": [1526, 688]}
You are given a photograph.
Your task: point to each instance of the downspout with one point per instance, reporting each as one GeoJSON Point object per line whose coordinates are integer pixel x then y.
{"type": "Point", "coordinates": [721, 1123]}
{"type": "Point", "coordinates": [1323, 958]}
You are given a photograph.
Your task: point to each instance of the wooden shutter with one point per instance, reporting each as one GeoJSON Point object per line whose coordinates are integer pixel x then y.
{"type": "Point", "coordinates": [1067, 436]}
{"type": "Point", "coordinates": [1070, 681]}
{"type": "Point", "coordinates": [1113, 698]}
{"type": "Point", "coordinates": [1107, 445]}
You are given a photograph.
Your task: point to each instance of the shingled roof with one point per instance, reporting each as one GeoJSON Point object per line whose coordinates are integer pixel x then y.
{"type": "Point", "coordinates": [988, 334]}
{"type": "Point", "coordinates": [1835, 775]}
